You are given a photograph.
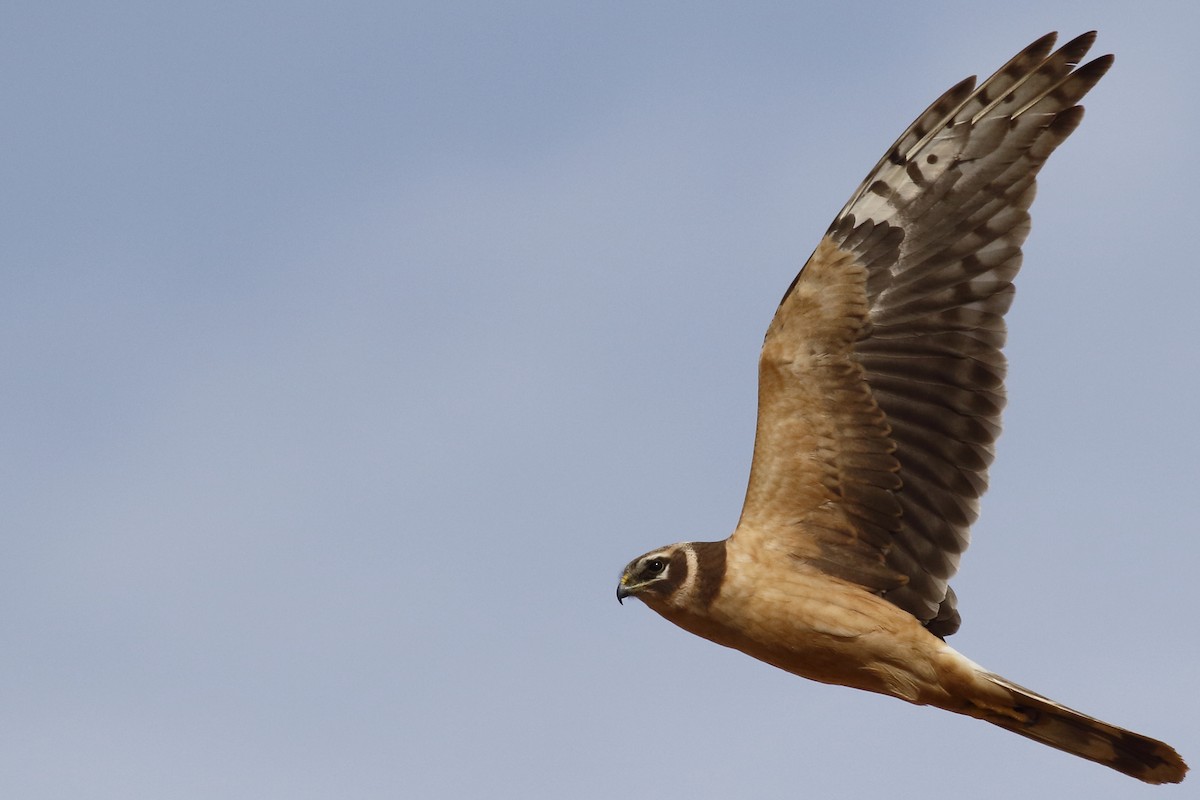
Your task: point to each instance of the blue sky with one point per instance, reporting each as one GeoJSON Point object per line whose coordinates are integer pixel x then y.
{"type": "Point", "coordinates": [352, 349]}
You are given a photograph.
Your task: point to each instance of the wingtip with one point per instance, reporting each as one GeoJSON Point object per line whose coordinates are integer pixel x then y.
{"type": "Point", "coordinates": [1041, 46]}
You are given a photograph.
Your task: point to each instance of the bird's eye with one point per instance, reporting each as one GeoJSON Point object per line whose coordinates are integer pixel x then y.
{"type": "Point", "coordinates": [656, 566]}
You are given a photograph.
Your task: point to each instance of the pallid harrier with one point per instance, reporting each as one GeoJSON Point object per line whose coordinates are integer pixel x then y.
{"type": "Point", "coordinates": [880, 389]}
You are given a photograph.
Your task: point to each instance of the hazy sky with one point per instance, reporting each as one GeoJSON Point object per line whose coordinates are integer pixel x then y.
{"type": "Point", "coordinates": [353, 348]}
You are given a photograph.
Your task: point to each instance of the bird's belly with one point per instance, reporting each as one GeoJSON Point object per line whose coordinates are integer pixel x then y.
{"type": "Point", "coordinates": [825, 632]}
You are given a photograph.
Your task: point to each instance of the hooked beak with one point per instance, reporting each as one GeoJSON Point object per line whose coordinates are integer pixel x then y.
{"type": "Point", "coordinates": [622, 593]}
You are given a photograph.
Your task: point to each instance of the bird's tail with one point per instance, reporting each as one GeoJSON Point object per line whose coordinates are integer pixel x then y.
{"type": "Point", "coordinates": [1050, 723]}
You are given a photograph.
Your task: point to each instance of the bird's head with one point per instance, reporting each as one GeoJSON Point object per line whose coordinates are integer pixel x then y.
{"type": "Point", "coordinates": [683, 576]}
{"type": "Point", "coordinates": [655, 575]}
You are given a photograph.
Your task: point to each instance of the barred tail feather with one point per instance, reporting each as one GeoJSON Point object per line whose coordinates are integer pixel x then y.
{"type": "Point", "coordinates": [1050, 723]}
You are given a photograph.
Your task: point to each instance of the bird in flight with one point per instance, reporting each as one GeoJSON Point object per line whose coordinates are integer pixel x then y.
{"type": "Point", "coordinates": [881, 383]}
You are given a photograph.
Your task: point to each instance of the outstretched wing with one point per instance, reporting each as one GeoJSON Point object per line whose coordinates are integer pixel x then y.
{"type": "Point", "coordinates": [881, 380]}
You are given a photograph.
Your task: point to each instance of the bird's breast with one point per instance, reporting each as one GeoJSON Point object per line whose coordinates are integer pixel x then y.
{"type": "Point", "coordinates": [816, 626]}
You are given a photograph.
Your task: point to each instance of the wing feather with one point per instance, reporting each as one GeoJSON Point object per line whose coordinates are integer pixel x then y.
{"type": "Point", "coordinates": [882, 379]}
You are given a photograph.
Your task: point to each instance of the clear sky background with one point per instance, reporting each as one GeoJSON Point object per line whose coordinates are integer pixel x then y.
{"type": "Point", "coordinates": [351, 349]}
